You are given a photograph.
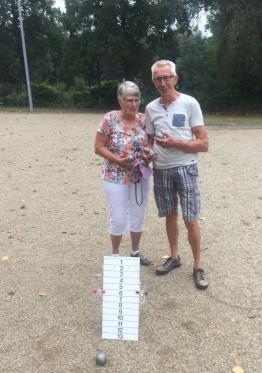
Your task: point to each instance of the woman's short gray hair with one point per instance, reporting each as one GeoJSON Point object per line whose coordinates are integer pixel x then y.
{"type": "Point", "coordinates": [128, 88]}
{"type": "Point", "coordinates": [163, 63]}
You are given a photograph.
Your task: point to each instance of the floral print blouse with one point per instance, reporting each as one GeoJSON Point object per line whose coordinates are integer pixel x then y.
{"type": "Point", "coordinates": [123, 141]}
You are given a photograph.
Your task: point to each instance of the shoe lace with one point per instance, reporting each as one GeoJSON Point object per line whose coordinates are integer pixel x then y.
{"type": "Point", "coordinates": [167, 261]}
{"type": "Point", "coordinates": [202, 275]}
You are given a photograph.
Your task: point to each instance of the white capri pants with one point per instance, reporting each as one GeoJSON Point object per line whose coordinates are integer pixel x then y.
{"type": "Point", "coordinates": [125, 214]}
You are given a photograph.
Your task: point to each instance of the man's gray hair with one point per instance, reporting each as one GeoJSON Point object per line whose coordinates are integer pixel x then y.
{"type": "Point", "coordinates": [163, 63]}
{"type": "Point", "coordinates": [128, 88]}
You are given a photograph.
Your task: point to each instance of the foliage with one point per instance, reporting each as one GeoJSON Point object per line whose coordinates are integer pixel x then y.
{"type": "Point", "coordinates": [96, 96]}
{"type": "Point", "coordinates": [236, 41]}
{"type": "Point", "coordinates": [78, 57]}
{"type": "Point", "coordinates": [15, 99]}
{"type": "Point", "coordinates": [195, 69]}
{"type": "Point", "coordinates": [81, 99]}
{"type": "Point", "coordinates": [46, 95]}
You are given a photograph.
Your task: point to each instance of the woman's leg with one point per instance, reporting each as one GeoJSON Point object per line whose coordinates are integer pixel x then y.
{"type": "Point", "coordinates": [135, 240]}
{"type": "Point", "coordinates": [117, 200]}
{"type": "Point", "coordinates": [138, 197]}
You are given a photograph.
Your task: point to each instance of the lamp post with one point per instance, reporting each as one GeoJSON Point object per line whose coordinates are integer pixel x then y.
{"type": "Point", "coordinates": [25, 57]}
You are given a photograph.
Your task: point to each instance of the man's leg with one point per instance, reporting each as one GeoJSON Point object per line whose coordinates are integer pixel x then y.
{"type": "Point", "coordinates": [166, 200]}
{"type": "Point", "coordinates": [189, 194]}
{"type": "Point", "coordinates": [194, 238]}
{"type": "Point", "coordinates": [172, 234]}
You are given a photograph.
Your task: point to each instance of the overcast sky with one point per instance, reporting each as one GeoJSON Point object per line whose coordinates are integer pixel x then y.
{"type": "Point", "coordinates": [60, 4]}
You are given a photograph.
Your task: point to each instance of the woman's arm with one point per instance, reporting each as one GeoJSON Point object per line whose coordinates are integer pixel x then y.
{"type": "Point", "coordinates": [101, 149]}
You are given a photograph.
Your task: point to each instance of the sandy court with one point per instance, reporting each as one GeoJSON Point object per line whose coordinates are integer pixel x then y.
{"type": "Point", "coordinates": [54, 236]}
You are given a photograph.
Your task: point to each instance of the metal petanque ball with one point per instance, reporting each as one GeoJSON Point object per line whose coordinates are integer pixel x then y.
{"type": "Point", "coordinates": [130, 158]}
{"type": "Point", "coordinates": [160, 135]}
{"type": "Point", "coordinates": [101, 358]}
{"type": "Point", "coordinates": [152, 152]}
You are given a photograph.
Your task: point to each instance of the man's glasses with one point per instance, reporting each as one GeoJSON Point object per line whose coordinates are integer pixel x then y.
{"type": "Point", "coordinates": [166, 78]}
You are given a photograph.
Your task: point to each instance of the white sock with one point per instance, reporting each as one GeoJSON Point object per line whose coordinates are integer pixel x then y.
{"type": "Point", "coordinates": [135, 252]}
{"type": "Point", "coordinates": [115, 254]}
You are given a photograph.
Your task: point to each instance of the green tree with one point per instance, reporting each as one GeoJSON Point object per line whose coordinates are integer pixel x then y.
{"type": "Point", "coordinates": [195, 66]}
{"type": "Point", "coordinates": [237, 31]}
{"type": "Point", "coordinates": [44, 36]}
{"type": "Point", "coordinates": [121, 38]}
{"type": "Point", "coordinates": [45, 39]}
{"type": "Point", "coordinates": [10, 65]}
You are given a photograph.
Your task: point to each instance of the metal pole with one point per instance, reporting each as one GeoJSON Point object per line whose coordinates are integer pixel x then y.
{"type": "Point", "coordinates": [25, 58]}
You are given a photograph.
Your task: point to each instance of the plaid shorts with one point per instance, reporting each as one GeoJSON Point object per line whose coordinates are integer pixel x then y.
{"type": "Point", "coordinates": [179, 181]}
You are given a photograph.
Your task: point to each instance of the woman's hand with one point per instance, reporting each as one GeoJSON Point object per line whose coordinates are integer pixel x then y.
{"type": "Point", "coordinates": [149, 154]}
{"type": "Point", "coordinates": [126, 162]}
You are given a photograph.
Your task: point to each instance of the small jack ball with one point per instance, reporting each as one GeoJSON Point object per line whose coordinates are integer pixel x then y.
{"type": "Point", "coordinates": [101, 358]}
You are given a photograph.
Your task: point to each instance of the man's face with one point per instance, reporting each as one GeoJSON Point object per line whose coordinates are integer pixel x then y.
{"type": "Point", "coordinates": [164, 80]}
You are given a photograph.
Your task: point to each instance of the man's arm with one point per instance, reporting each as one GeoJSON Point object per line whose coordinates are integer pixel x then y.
{"type": "Point", "coordinates": [199, 144]}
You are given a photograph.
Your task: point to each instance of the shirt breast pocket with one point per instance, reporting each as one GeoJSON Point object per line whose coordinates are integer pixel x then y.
{"type": "Point", "coordinates": [179, 120]}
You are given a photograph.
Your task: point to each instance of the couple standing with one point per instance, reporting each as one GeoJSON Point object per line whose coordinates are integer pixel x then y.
{"type": "Point", "coordinates": [170, 135]}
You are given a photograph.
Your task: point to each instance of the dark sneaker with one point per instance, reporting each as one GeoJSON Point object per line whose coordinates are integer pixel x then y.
{"type": "Point", "coordinates": [200, 279]}
{"type": "Point", "coordinates": [143, 260]}
{"type": "Point", "coordinates": [168, 265]}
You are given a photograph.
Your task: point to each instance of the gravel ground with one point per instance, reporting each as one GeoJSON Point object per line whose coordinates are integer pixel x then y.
{"type": "Point", "coordinates": [54, 236]}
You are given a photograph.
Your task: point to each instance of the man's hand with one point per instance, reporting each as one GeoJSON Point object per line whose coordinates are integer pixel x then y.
{"type": "Point", "coordinates": [196, 145]}
{"type": "Point", "coordinates": [167, 141]}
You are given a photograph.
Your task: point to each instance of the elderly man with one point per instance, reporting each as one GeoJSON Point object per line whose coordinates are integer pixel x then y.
{"type": "Point", "coordinates": [176, 131]}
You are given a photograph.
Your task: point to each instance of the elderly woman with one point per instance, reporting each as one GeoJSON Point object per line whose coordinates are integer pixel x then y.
{"type": "Point", "coordinates": [120, 140]}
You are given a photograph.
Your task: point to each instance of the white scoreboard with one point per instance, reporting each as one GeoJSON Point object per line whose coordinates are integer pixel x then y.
{"type": "Point", "coordinates": [121, 294]}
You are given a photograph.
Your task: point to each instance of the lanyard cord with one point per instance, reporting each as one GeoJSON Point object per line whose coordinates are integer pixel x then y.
{"type": "Point", "coordinates": [141, 201]}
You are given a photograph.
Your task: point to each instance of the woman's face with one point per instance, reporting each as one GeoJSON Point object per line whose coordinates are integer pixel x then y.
{"type": "Point", "coordinates": [129, 105]}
